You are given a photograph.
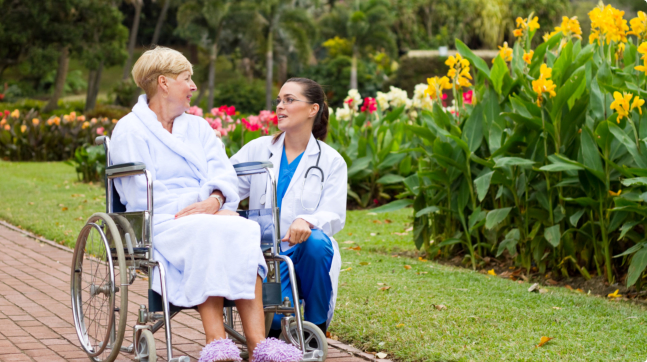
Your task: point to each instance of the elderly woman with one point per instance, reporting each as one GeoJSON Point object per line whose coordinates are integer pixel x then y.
{"type": "Point", "coordinates": [208, 251]}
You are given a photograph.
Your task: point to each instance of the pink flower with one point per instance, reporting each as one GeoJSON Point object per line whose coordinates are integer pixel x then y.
{"type": "Point", "coordinates": [467, 97]}
{"type": "Point", "coordinates": [376, 201]}
{"type": "Point", "coordinates": [252, 123]}
{"type": "Point", "coordinates": [369, 105]}
{"type": "Point", "coordinates": [196, 111]}
{"type": "Point", "coordinates": [6, 113]}
{"type": "Point", "coordinates": [100, 130]}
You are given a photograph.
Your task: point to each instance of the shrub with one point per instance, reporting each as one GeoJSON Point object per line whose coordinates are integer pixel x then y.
{"type": "Point", "coordinates": [89, 163]}
{"type": "Point", "coordinates": [249, 97]}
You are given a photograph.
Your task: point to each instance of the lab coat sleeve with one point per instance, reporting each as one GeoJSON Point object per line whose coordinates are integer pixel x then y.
{"type": "Point", "coordinates": [221, 173]}
{"type": "Point", "coordinates": [244, 182]}
{"type": "Point", "coordinates": [330, 216]}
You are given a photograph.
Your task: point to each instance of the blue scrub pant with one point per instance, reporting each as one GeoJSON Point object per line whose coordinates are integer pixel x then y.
{"type": "Point", "coordinates": [312, 260]}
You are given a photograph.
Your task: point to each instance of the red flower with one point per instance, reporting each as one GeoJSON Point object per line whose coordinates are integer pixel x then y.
{"type": "Point", "coordinates": [230, 111]}
{"type": "Point", "coordinates": [6, 113]}
{"type": "Point", "coordinates": [370, 105]}
{"type": "Point", "coordinates": [252, 127]}
{"type": "Point", "coordinates": [1, 96]}
{"type": "Point", "coordinates": [467, 97]}
{"type": "Point", "coordinates": [375, 201]}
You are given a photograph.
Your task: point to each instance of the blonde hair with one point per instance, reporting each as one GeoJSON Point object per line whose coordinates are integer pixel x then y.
{"type": "Point", "coordinates": [155, 62]}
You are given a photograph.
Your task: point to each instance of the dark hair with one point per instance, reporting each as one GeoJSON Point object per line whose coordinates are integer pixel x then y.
{"type": "Point", "coordinates": [314, 93]}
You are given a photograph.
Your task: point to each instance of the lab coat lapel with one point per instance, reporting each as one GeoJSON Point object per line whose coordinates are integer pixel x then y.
{"type": "Point", "coordinates": [276, 151]}
{"type": "Point", "coordinates": [307, 160]}
{"type": "Point", "coordinates": [149, 119]}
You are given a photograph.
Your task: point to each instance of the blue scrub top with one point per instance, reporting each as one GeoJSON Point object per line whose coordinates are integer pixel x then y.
{"type": "Point", "coordinates": [286, 172]}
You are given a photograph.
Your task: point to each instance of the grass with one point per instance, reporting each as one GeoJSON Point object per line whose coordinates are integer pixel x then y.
{"type": "Point", "coordinates": [486, 318]}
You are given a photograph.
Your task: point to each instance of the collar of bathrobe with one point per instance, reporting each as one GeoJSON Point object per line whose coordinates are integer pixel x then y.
{"type": "Point", "coordinates": [276, 149]}
{"type": "Point", "coordinates": [149, 119]}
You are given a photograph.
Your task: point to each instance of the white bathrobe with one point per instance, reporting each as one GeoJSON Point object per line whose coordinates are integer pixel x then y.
{"type": "Point", "coordinates": [204, 255]}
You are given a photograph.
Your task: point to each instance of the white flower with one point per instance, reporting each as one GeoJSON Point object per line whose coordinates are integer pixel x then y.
{"type": "Point", "coordinates": [344, 113]}
{"type": "Point", "coordinates": [382, 101]}
{"type": "Point", "coordinates": [413, 114]}
{"type": "Point", "coordinates": [353, 100]}
{"type": "Point", "coordinates": [420, 99]}
{"type": "Point", "coordinates": [398, 97]}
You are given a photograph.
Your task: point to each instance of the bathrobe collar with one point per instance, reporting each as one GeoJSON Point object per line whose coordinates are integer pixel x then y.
{"type": "Point", "coordinates": [174, 141]}
{"type": "Point", "coordinates": [276, 150]}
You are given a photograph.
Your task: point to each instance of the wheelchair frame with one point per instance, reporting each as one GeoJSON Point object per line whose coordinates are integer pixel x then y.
{"type": "Point", "coordinates": [140, 257]}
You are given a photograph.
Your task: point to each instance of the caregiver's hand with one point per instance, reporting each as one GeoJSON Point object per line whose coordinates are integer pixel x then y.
{"type": "Point", "coordinates": [209, 206]}
{"type": "Point", "coordinates": [298, 232]}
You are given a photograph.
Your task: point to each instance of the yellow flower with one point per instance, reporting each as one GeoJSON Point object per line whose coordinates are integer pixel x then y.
{"type": "Point", "coordinates": [547, 36]}
{"type": "Point", "coordinates": [620, 51]}
{"type": "Point", "coordinates": [615, 193]}
{"type": "Point", "coordinates": [465, 73]}
{"type": "Point", "coordinates": [23, 128]}
{"type": "Point", "coordinates": [435, 86]}
{"type": "Point", "coordinates": [594, 36]}
{"type": "Point", "coordinates": [638, 26]}
{"type": "Point", "coordinates": [621, 104]}
{"type": "Point", "coordinates": [72, 116]}
{"type": "Point", "coordinates": [637, 103]}
{"type": "Point", "coordinates": [533, 24]}
{"type": "Point", "coordinates": [451, 73]}
{"type": "Point", "coordinates": [35, 121]}
{"type": "Point", "coordinates": [614, 294]}
{"type": "Point", "coordinates": [463, 82]}
{"type": "Point", "coordinates": [608, 24]}
{"type": "Point", "coordinates": [505, 52]}
{"type": "Point", "coordinates": [85, 125]}
{"type": "Point", "coordinates": [521, 23]}
{"type": "Point", "coordinates": [451, 61]}
{"type": "Point", "coordinates": [642, 49]}
{"type": "Point", "coordinates": [80, 118]}
{"type": "Point", "coordinates": [545, 72]}
{"type": "Point", "coordinates": [526, 25]}
{"type": "Point", "coordinates": [518, 32]}
{"type": "Point", "coordinates": [543, 84]}
{"type": "Point", "coordinates": [642, 68]}
{"type": "Point", "coordinates": [527, 57]}
{"type": "Point", "coordinates": [570, 27]}
{"type": "Point", "coordinates": [15, 113]}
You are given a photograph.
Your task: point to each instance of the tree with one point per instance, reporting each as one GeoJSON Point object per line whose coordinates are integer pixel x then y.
{"type": "Point", "coordinates": [160, 21]}
{"type": "Point", "coordinates": [138, 4]}
{"type": "Point", "coordinates": [202, 23]}
{"type": "Point", "coordinates": [280, 20]}
{"type": "Point", "coordinates": [104, 43]}
{"type": "Point", "coordinates": [368, 28]}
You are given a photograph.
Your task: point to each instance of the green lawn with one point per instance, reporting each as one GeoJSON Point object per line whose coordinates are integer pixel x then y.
{"type": "Point", "coordinates": [484, 318]}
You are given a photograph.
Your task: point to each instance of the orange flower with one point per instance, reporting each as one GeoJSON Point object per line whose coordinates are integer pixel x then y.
{"type": "Point", "coordinates": [80, 118]}
{"type": "Point", "coordinates": [35, 121]}
{"type": "Point", "coordinates": [23, 128]}
{"type": "Point", "coordinates": [7, 127]}
{"type": "Point", "coordinates": [85, 125]}
{"type": "Point", "coordinates": [527, 57]}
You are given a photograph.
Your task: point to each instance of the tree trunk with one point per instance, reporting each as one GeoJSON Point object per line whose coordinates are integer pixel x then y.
{"type": "Point", "coordinates": [353, 70]}
{"type": "Point", "coordinates": [193, 53]}
{"type": "Point", "coordinates": [270, 65]}
{"type": "Point", "coordinates": [428, 21]}
{"type": "Point", "coordinates": [282, 74]}
{"type": "Point", "coordinates": [61, 74]}
{"type": "Point", "coordinates": [160, 21]}
{"type": "Point", "coordinates": [212, 75]}
{"type": "Point", "coordinates": [94, 80]}
{"type": "Point", "coordinates": [133, 38]}
{"type": "Point", "coordinates": [201, 92]}
{"type": "Point", "coordinates": [247, 69]}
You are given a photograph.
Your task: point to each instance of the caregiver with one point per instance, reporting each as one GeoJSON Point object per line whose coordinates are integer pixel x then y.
{"type": "Point", "coordinates": [311, 194]}
{"type": "Point", "coordinates": [209, 253]}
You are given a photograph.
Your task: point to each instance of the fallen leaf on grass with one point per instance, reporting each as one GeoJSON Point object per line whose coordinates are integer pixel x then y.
{"type": "Point", "coordinates": [349, 242]}
{"type": "Point", "coordinates": [387, 221]}
{"type": "Point", "coordinates": [364, 263]}
{"type": "Point", "coordinates": [568, 287]}
{"type": "Point", "coordinates": [30, 203]}
{"type": "Point", "coordinates": [356, 248]}
{"type": "Point", "coordinates": [579, 290]}
{"type": "Point", "coordinates": [64, 209]}
{"type": "Point", "coordinates": [385, 288]}
{"type": "Point", "coordinates": [381, 355]}
{"type": "Point", "coordinates": [377, 222]}
{"type": "Point", "coordinates": [440, 307]}
{"type": "Point", "coordinates": [534, 288]}
{"type": "Point", "coordinates": [371, 213]}
{"type": "Point", "coordinates": [78, 195]}
{"type": "Point", "coordinates": [347, 269]}
{"type": "Point", "coordinates": [543, 291]}
{"type": "Point", "coordinates": [422, 259]}
{"type": "Point", "coordinates": [373, 234]}
{"type": "Point", "coordinates": [407, 267]}
{"type": "Point", "coordinates": [558, 308]}
{"type": "Point", "coordinates": [409, 229]}
{"type": "Point", "coordinates": [401, 234]}
{"type": "Point", "coordinates": [400, 325]}
{"type": "Point", "coordinates": [491, 272]}
{"type": "Point", "coordinates": [380, 283]}
{"type": "Point", "coordinates": [80, 218]}
{"type": "Point", "coordinates": [349, 234]}
{"type": "Point", "coordinates": [419, 273]}
{"type": "Point", "coordinates": [551, 282]}
{"type": "Point", "coordinates": [615, 294]}
{"type": "Point", "coordinates": [543, 341]}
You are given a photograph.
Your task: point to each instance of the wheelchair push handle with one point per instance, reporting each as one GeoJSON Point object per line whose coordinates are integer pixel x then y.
{"type": "Point", "coordinates": [251, 168]}
{"type": "Point", "coordinates": [100, 140]}
{"type": "Point", "coordinates": [126, 169]}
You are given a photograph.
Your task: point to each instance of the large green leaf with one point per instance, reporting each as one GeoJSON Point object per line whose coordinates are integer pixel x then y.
{"type": "Point", "coordinates": [540, 52]}
{"type": "Point", "coordinates": [390, 179]}
{"type": "Point", "coordinates": [510, 242]}
{"type": "Point", "coordinates": [499, 70]}
{"type": "Point", "coordinates": [427, 210]}
{"type": "Point", "coordinates": [567, 90]}
{"type": "Point", "coordinates": [473, 129]}
{"type": "Point", "coordinates": [575, 218]}
{"type": "Point", "coordinates": [640, 181]}
{"type": "Point", "coordinates": [553, 235]}
{"type": "Point", "coordinates": [514, 161]}
{"type": "Point", "coordinates": [482, 184]}
{"type": "Point", "coordinates": [393, 206]}
{"type": "Point", "coordinates": [629, 143]}
{"type": "Point", "coordinates": [561, 64]}
{"type": "Point", "coordinates": [423, 132]}
{"type": "Point", "coordinates": [358, 165]}
{"type": "Point", "coordinates": [495, 217]}
{"type": "Point", "coordinates": [590, 155]}
{"type": "Point", "coordinates": [477, 61]}
{"type": "Point", "coordinates": [637, 266]}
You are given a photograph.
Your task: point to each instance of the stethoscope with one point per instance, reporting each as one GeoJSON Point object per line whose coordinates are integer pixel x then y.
{"type": "Point", "coordinates": [305, 178]}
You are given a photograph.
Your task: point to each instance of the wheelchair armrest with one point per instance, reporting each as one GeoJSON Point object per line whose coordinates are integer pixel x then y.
{"type": "Point", "coordinates": [250, 168]}
{"type": "Point", "coordinates": [125, 169]}
{"type": "Point", "coordinates": [100, 140]}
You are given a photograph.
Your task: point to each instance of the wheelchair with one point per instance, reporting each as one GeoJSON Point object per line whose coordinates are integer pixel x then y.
{"type": "Point", "coordinates": [103, 269]}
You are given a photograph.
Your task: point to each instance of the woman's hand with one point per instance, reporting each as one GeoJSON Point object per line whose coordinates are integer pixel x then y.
{"type": "Point", "coordinates": [298, 232]}
{"type": "Point", "coordinates": [209, 206]}
{"type": "Point", "coordinates": [227, 213]}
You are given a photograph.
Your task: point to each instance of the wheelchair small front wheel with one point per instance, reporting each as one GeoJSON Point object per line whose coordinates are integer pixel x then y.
{"type": "Point", "coordinates": [99, 288]}
{"type": "Point", "coordinates": [313, 338]}
{"type": "Point", "coordinates": [146, 347]}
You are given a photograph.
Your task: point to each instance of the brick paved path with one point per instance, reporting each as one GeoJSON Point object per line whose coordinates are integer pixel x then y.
{"type": "Point", "coordinates": [36, 317]}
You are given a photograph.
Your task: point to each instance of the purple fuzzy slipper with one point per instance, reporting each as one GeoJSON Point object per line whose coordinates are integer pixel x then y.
{"type": "Point", "coordinates": [274, 350]}
{"type": "Point", "coordinates": [220, 350]}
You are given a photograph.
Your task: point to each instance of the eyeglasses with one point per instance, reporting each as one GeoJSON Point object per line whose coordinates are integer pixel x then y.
{"type": "Point", "coordinates": [288, 101]}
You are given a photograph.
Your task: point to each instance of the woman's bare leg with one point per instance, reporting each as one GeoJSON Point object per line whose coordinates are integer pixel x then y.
{"type": "Point", "coordinates": [253, 317]}
{"type": "Point", "coordinates": [211, 315]}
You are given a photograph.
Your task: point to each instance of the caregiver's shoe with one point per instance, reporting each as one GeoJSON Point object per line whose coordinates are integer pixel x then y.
{"type": "Point", "coordinates": [274, 350]}
{"type": "Point", "coordinates": [220, 350]}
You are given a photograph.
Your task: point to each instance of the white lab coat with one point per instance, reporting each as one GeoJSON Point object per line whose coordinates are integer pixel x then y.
{"type": "Point", "coordinates": [330, 214]}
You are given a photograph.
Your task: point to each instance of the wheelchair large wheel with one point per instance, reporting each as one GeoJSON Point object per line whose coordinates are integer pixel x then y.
{"type": "Point", "coordinates": [313, 337]}
{"type": "Point", "coordinates": [99, 288]}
